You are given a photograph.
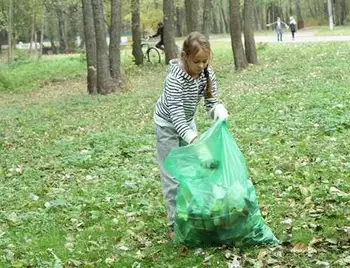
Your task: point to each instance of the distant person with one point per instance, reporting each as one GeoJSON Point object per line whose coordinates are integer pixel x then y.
{"type": "Point", "coordinates": [292, 26]}
{"type": "Point", "coordinates": [160, 32]}
{"type": "Point", "coordinates": [279, 29]}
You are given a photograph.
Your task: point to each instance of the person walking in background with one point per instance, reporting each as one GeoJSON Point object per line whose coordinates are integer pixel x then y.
{"type": "Point", "coordinates": [292, 26]}
{"type": "Point", "coordinates": [279, 29]}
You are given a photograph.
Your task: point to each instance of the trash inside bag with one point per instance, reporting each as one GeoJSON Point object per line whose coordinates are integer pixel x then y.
{"type": "Point", "coordinates": [215, 202]}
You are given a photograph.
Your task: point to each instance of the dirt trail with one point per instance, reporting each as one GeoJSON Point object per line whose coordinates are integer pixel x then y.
{"type": "Point", "coordinates": [301, 36]}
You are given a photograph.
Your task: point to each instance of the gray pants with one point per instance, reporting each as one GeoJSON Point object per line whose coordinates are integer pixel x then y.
{"type": "Point", "coordinates": [168, 138]}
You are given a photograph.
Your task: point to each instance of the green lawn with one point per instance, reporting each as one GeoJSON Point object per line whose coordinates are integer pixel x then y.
{"type": "Point", "coordinates": [80, 185]}
{"type": "Point", "coordinates": [338, 30]}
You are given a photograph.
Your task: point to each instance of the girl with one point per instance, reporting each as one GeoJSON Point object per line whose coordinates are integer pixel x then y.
{"type": "Point", "coordinates": [292, 26]}
{"type": "Point", "coordinates": [189, 79]}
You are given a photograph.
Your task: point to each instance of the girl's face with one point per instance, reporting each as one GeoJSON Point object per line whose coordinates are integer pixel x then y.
{"type": "Point", "coordinates": [197, 63]}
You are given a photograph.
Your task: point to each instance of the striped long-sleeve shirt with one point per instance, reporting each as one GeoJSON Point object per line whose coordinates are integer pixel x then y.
{"type": "Point", "coordinates": [177, 105]}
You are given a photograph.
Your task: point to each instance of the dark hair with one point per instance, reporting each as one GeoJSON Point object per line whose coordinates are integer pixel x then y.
{"type": "Point", "coordinates": [195, 42]}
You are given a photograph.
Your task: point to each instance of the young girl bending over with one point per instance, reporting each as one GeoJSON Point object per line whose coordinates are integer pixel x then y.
{"type": "Point", "coordinates": [189, 79]}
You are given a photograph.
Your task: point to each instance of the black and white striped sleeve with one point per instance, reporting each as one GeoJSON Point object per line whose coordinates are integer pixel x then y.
{"type": "Point", "coordinates": [173, 93]}
{"type": "Point", "coordinates": [210, 103]}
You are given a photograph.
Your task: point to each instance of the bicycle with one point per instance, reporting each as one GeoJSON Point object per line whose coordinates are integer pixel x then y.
{"type": "Point", "coordinates": [150, 53]}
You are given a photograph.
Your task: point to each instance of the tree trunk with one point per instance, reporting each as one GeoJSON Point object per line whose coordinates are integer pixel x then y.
{"type": "Point", "coordinates": [32, 33]}
{"type": "Point", "coordinates": [249, 41]}
{"type": "Point", "coordinates": [207, 17]}
{"type": "Point", "coordinates": [180, 15]}
{"type": "Point", "coordinates": [215, 17]}
{"type": "Point", "coordinates": [104, 81]}
{"type": "Point", "coordinates": [9, 34]}
{"type": "Point", "coordinates": [225, 7]}
{"type": "Point", "coordinates": [236, 36]}
{"type": "Point", "coordinates": [42, 22]}
{"type": "Point", "coordinates": [62, 30]}
{"type": "Point", "coordinates": [330, 15]}
{"type": "Point", "coordinates": [114, 45]}
{"type": "Point", "coordinates": [90, 41]}
{"type": "Point", "coordinates": [300, 21]}
{"type": "Point", "coordinates": [136, 32]}
{"type": "Point", "coordinates": [193, 19]}
{"type": "Point", "coordinates": [169, 40]}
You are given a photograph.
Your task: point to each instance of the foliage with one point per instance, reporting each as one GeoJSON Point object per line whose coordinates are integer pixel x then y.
{"type": "Point", "coordinates": [80, 185]}
{"type": "Point", "coordinates": [26, 74]}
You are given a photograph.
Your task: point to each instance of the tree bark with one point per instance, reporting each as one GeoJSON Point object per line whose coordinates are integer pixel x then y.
{"type": "Point", "coordinates": [114, 44]}
{"type": "Point", "coordinates": [300, 21]}
{"type": "Point", "coordinates": [180, 25]}
{"type": "Point", "coordinates": [90, 41]}
{"type": "Point", "coordinates": [236, 36]}
{"type": "Point", "coordinates": [169, 40]}
{"type": "Point", "coordinates": [136, 32]}
{"type": "Point", "coordinates": [249, 41]}
{"type": "Point", "coordinates": [207, 17]}
{"type": "Point", "coordinates": [62, 30]}
{"type": "Point", "coordinates": [104, 81]}
{"type": "Point", "coordinates": [330, 14]}
{"type": "Point", "coordinates": [193, 19]}
{"type": "Point", "coordinates": [42, 22]}
{"type": "Point", "coordinates": [9, 34]}
{"type": "Point", "coordinates": [32, 33]}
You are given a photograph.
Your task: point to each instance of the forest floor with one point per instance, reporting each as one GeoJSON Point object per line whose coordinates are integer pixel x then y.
{"type": "Point", "coordinates": [80, 184]}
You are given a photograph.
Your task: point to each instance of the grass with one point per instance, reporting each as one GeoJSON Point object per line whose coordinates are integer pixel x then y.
{"type": "Point", "coordinates": [25, 73]}
{"type": "Point", "coordinates": [80, 184]}
{"type": "Point", "coordinates": [338, 30]}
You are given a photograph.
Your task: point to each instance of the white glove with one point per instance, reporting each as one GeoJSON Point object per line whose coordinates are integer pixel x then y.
{"type": "Point", "coordinates": [220, 112]}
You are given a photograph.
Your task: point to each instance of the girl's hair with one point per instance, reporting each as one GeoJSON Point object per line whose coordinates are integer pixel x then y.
{"type": "Point", "coordinates": [195, 42]}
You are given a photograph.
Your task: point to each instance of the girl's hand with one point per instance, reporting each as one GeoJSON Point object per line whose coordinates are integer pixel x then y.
{"type": "Point", "coordinates": [220, 112]}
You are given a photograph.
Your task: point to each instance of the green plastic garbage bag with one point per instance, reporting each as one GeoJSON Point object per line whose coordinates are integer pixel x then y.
{"type": "Point", "coordinates": [215, 201]}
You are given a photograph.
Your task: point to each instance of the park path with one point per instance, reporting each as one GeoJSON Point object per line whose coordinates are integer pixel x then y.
{"type": "Point", "coordinates": [301, 36]}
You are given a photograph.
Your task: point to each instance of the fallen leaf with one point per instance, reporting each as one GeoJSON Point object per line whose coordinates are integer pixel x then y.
{"type": "Point", "coordinates": [299, 248]}
{"type": "Point", "coordinates": [198, 252]}
{"type": "Point", "coordinates": [183, 251]}
{"type": "Point", "coordinates": [208, 258]}
{"type": "Point", "coordinates": [332, 241]}
{"type": "Point", "coordinates": [315, 241]}
{"type": "Point", "coordinates": [123, 248]}
{"type": "Point", "coordinates": [323, 263]}
{"type": "Point", "coordinates": [262, 253]}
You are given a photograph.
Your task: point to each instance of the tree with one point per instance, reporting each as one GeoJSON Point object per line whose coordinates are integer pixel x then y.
{"type": "Point", "coordinates": [169, 31]}
{"type": "Point", "coordinates": [9, 31]}
{"type": "Point", "coordinates": [300, 21]}
{"type": "Point", "coordinates": [207, 17]}
{"type": "Point", "coordinates": [249, 41]}
{"type": "Point", "coordinates": [136, 32]}
{"type": "Point", "coordinates": [32, 34]}
{"type": "Point", "coordinates": [42, 24]}
{"type": "Point", "coordinates": [114, 44]}
{"type": "Point", "coordinates": [330, 15]}
{"type": "Point", "coordinates": [236, 36]}
{"type": "Point", "coordinates": [90, 41]}
{"type": "Point", "coordinates": [62, 29]}
{"type": "Point", "coordinates": [193, 17]}
{"type": "Point", "coordinates": [105, 83]}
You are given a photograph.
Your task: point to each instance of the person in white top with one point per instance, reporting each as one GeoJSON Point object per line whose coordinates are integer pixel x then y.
{"type": "Point", "coordinates": [292, 26]}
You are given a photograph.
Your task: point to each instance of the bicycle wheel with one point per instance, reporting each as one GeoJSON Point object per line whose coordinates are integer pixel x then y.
{"type": "Point", "coordinates": [153, 55]}
{"type": "Point", "coordinates": [144, 48]}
